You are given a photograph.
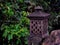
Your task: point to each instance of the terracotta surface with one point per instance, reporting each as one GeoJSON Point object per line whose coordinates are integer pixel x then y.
{"type": "Point", "coordinates": [56, 36]}
{"type": "Point", "coordinates": [53, 39]}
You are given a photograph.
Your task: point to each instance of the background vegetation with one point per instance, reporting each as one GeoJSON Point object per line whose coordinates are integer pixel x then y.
{"type": "Point", "coordinates": [14, 24]}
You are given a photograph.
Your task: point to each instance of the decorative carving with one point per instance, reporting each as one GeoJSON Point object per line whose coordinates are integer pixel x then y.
{"type": "Point", "coordinates": [36, 26]}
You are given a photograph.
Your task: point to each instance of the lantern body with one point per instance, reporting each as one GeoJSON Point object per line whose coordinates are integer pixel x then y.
{"type": "Point", "coordinates": [38, 26]}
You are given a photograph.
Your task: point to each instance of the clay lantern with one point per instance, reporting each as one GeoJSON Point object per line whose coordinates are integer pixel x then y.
{"type": "Point", "coordinates": [38, 26]}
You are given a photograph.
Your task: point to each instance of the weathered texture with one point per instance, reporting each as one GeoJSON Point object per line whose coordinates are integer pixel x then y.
{"type": "Point", "coordinates": [47, 41]}
{"type": "Point", "coordinates": [53, 39]}
{"type": "Point", "coordinates": [56, 36]}
{"type": "Point", "coordinates": [38, 26]}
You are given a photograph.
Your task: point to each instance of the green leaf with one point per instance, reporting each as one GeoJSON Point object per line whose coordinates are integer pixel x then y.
{"type": "Point", "coordinates": [10, 36]}
{"type": "Point", "coordinates": [5, 33]}
{"type": "Point", "coordinates": [18, 41]}
{"type": "Point", "coordinates": [21, 1]}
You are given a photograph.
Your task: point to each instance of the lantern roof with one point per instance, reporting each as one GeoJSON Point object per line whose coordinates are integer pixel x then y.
{"type": "Point", "coordinates": [38, 13]}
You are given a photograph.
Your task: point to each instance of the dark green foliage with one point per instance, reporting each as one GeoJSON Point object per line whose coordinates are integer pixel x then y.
{"type": "Point", "coordinates": [50, 5]}
{"type": "Point", "coordinates": [15, 24]}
